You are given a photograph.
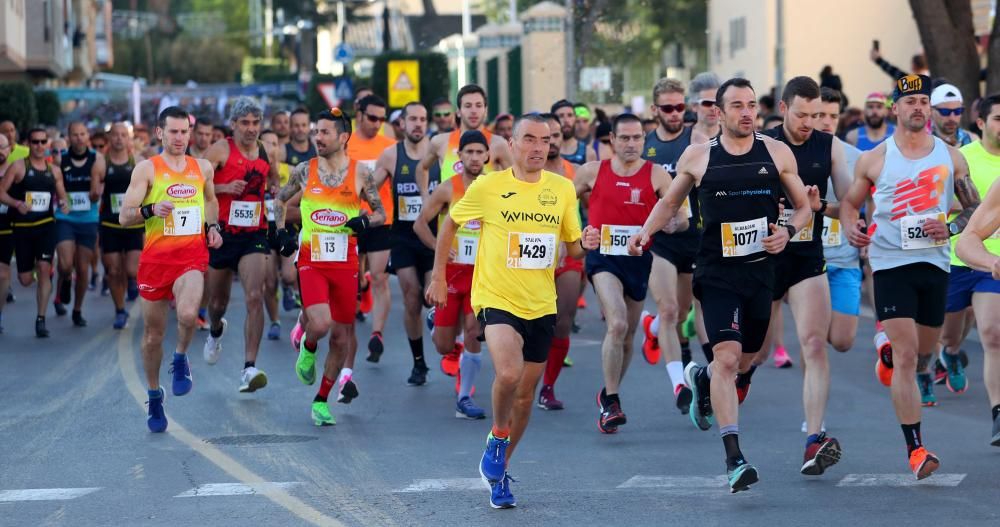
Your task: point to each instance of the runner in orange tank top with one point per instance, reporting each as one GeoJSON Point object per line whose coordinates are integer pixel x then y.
{"type": "Point", "coordinates": [173, 195]}
{"type": "Point", "coordinates": [334, 191]}
{"type": "Point", "coordinates": [474, 152]}
{"type": "Point", "coordinates": [365, 147]}
{"type": "Point", "coordinates": [444, 147]}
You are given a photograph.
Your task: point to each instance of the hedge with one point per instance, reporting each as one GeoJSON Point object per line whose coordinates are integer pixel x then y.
{"type": "Point", "coordinates": [17, 103]}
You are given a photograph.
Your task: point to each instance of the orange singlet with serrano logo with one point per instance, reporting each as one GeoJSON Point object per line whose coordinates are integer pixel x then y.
{"type": "Point", "coordinates": [180, 237]}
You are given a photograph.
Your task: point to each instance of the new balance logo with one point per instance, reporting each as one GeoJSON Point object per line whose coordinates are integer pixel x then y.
{"type": "Point", "coordinates": [762, 171]}
{"type": "Point", "coordinates": [507, 195]}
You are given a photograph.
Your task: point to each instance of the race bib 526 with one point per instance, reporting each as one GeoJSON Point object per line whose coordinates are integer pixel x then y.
{"type": "Point", "coordinates": [911, 231]}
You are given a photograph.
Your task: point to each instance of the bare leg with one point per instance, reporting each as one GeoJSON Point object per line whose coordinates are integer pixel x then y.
{"type": "Point", "coordinates": [252, 268]}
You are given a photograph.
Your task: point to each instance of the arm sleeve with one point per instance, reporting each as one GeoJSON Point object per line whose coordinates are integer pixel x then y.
{"type": "Point", "coordinates": [571, 217]}
{"type": "Point", "coordinates": [889, 69]}
{"type": "Point", "coordinates": [470, 207]}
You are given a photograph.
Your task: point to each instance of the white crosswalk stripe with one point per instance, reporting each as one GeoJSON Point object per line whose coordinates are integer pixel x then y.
{"type": "Point", "coordinates": [45, 494]}
{"type": "Point", "coordinates": [235, 489]}
{"type": "Point", "coordinates": [900, 480]}
{"type": "Point", "coordinates": [443, 484]}
{"type": "Point", "coordinates": [674, 482]}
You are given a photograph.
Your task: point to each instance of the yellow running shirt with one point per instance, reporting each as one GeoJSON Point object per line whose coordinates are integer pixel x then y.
{"type": "Point", "coordinates": [522, 224]}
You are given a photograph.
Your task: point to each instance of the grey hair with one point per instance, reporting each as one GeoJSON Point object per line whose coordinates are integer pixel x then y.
{"type": "Point", "coordinates": [244, 106]}
{"type": "Point", "coordinates": [705, 80]}
{"type": "Point", "coordinates": [526, 118]}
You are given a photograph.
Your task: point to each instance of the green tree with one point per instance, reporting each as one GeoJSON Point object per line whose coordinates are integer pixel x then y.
{"type": "Point", "coordinates": [17, 103]}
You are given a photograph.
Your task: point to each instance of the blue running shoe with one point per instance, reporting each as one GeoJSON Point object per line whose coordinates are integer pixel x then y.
{"type": "Point", "coordinates": [466, 408]}
{"type": "Point", "coordinates": [132, 291]}
{"type": "Point", "coordinates": [288, 302]}
{"type": "Point", "coordinates": [493, 466]}
{"type": "Point", "coordinates": [156, 420]}
{"type": "Point", "coordinates": [121, 319]}
{"type": "Point", "coordinates": [429, 319]}
{"type": "Point", "coordinates": [956, 381]}
{"type": "Point", "coordinates": [742, 476]}
{"type": "Point", "coordinates": [274, 332]}
{"type": "Point", "coordinates": [500, 495]}
{"type": "Point", "coordinates": [182, 374]}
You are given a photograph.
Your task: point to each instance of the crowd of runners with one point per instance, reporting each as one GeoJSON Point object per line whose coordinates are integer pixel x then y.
{"type": "Point", "coordinates": [495, 228]}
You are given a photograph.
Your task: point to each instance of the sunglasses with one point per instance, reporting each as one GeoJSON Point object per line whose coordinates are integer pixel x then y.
{"type": "Point", "coordinates": [671, 108]}
{"type": "Point", "coordinates": [39, 141]}
{"type": "Point", "coordinates": [374, 119]}
{"type": "Point", "coordinates": [605, 141]}
{"type": "Point", "coordinates": [442, 114]}
{"type": "Point", "coordinates": [945, 112]}
{"type": "Point", "coordinates": [707, 103]}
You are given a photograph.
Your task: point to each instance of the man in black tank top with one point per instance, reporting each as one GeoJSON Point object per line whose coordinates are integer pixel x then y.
{"type": "Point", "coordinates": [299, 148]}
{"type": "Point", "coordinates": [120, 246]}
{"type": "Point", "coordinates": [799, 269]}
{"type": "Point", "coordinates": [409, 258]}
{"type": "Point", "coordinates": [673, 254]}
{"type": "Point", "coordinates": [739, 177]}
{"type": "Point", "coordinates": [32, 189]}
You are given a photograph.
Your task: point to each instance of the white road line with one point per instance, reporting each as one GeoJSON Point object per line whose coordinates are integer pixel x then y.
{"type": "Point", "coordinates": [900, 480]}
{"type": "Point", "coordinates": [443, 484]}
{"type": "Point", "coordinates": [45, 494]}
{"type": "Point", "coordinates": [674, 482]}
{"type": "Point", "coordinates": [235, 489]}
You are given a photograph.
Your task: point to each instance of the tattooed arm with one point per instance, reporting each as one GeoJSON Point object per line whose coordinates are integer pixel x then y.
{"type": "Point", "coordinates": [369, 193]}
{"type": "Point", "coordinates": [296, 181]}
{"type": "Point", "coordinates": [965, 190]}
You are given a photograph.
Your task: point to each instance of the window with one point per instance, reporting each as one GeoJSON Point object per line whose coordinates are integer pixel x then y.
{"type": "Point", "coordinates": [737, 35]}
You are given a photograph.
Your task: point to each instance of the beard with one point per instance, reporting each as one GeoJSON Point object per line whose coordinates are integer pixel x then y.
{"type": "Point", "coordinates": [874, 121]}
{"type": "Point", "coordinates": [670, 127]}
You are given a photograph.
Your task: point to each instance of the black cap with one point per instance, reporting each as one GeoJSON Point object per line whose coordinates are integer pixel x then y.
{"type": "Point", "coordinates": [562, 103]}
{"type": "Point", "coordinates": [912, 85]}
{"type": "Point", "coordinates": [472, 137]}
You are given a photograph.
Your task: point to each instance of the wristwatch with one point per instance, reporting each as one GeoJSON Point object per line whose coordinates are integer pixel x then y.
{"type": "Point", "coordinates": [953, 229]}
{"type": "Point", "coordinates": [822, 206]}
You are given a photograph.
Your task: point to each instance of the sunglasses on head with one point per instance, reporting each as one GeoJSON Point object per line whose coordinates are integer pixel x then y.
{"type": "Point", "coordinates": [947, 112]}
{"type": "Point", "coordinates": [374, 118]}
{"type": "Point", "coordinates": [442, 114]}
{"type": "Point", "coordinates": [671, 108]}
{"type": "Point", "coordinates": [707, 103]}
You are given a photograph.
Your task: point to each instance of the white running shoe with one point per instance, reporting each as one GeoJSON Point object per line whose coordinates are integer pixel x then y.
{"type": "Point", "coordinates": [213, 345]}
{"type": "Point", "coordinates": [252, 380]}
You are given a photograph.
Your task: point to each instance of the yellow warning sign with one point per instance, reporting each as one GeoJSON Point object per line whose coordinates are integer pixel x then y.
{"type": "Point", "coordinates": [404, 82]}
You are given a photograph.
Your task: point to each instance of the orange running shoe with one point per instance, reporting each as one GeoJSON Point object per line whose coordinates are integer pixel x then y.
{"type": "Point", "coordinates": [923, 463]}
{"type": "Point", "coordinates": [366, 294]}
{"type": "Point", "coordinates": [651, 345]}
{"type": "Point", "coordinates": [450, 363]}
{"type": "Point", "coordinates": [581, 303]}
{"type": "Point", "coordinates": [883, 364]}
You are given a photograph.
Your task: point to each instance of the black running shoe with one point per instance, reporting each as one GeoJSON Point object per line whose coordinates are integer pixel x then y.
{"type": "Point", "coordinates": [40, 330]}
{"type": "Point", "coordinates": [78, 320]}
{"type": "Point", "coordinates": [684, 396]}
{"type": "Point", "coordinates": [375, 348]}
{"type": "Point", "coordinates": [348, 393]}
{"type": "Point", "coordinates": [60, 308]}
{"type": "Point", "coordinates": [418, 376]}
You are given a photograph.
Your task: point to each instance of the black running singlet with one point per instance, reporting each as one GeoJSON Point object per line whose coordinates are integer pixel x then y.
{"type": "Point", "coordinates": [738, 198]}
{"type": "Point", "coordinates": [406, 194]}
{"type": "Point", "coordinates": [38, 189]}
{"type": "Point", "coordinates": [116, 182]}
{"type": "Point", "coordinates": [666, 154]}
{"type": "Point", "coordinates": [814, 160]}
{"type": "Point", "coordinates": [293, 157]}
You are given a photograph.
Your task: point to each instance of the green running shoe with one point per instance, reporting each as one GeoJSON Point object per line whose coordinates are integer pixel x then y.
{"type": "Point", "coordinates": [305, 365]}
{"type": "Point", "coordinates": [925, 381]}
{"type": "Point", "coordinates": [321, 414]}
{"type": "Point", "coordinates": [741, 477]}
{"type": "Point", "coordinates": [567, 362]}
{"type": "Point", "coordinates": [687, 328]}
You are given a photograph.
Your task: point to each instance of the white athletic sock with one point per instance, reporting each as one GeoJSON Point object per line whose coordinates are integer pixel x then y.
{"type": "Point", "coordinates": [654, 326]}
{"type": "Point", "coordinates": [345, 375]}
{"type": "Point", "coordinates": [676, 372]}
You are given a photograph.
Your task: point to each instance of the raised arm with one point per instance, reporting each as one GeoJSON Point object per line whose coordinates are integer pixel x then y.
{"type": "Point", "coordinates": [296, 181]}
{"type": "Point", "coordinates": [850, 204]}
{"type": "Point", "coordinates": [585, 177]}
{"type": "Point", "coordinates": [437, 200]}
{"type": "Point", "coordinates": [142, 177]}
{"type": "Point", "coordinates": [423, 169]}
{"type": "Point", "coordinates": [369, 192]}
{"type": "Point", "coordinates": [985, 221]}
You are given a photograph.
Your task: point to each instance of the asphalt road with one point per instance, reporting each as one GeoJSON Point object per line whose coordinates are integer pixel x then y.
{"type": "Point", "coordinates": [76, 450]}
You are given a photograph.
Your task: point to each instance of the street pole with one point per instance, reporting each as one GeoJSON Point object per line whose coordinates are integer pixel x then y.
{"type": "Point", "coordinates": [570, 52]}
{"type": "Point", "coordinates": [779, 50]}
{"type": "Point", "coordinates": [466, 31]}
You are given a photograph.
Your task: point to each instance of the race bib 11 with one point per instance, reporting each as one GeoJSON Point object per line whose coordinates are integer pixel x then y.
{"type": "Point", "coordinates": [465, 253]}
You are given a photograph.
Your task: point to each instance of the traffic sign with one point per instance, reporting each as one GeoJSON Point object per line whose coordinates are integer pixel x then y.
{"type": "Point", "coordinates": [343, 53]}
{"type": "Point", "coordinates": [340, 89]}
{"type": "Point", "coordinates": [404, 82]}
